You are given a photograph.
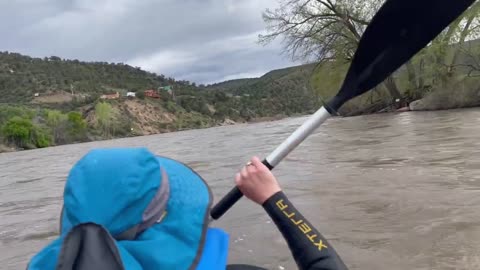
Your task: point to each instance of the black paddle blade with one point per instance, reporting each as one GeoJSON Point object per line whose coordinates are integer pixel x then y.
{"type": "Point", "coordinates": [399, 30]}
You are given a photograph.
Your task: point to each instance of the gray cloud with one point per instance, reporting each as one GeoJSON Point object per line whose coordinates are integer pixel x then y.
{"type": "Point", "coordinates": [198, 40]}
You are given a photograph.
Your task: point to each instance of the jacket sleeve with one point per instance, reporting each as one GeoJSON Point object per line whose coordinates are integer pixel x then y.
{"type": "Point", "coordinates": [308, 247]}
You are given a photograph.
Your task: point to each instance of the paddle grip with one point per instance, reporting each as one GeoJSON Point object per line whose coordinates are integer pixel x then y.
{"type": "Point", "coordinates": [275, 157]}
{"type": "Point", "coordinates": [226, 203]}
{"type": "Point", "coordinates": [231, 198]}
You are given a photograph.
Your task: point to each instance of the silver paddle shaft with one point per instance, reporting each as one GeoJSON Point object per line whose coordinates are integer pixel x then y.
{"type": "Point", "coordinates": [274, 158]}
{"type": "Point", "coordinates": [298, 136]}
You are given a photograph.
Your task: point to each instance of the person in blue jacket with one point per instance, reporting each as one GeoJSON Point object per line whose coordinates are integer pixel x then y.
{"type": "Point", "coordinates": [128, 209]}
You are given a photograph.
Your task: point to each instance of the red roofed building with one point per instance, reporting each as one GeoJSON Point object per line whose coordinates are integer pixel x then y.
{"type": "Point", "coordinates": [151, 93]}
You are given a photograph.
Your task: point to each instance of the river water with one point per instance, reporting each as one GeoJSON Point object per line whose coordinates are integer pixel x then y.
{"type": "Point", "coordinates": [389, 191]}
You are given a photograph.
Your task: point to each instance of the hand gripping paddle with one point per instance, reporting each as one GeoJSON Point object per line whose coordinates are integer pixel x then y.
{"type": "Point", "coordinates": [397, 32]}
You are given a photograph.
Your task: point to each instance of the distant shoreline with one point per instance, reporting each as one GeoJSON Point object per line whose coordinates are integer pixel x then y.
{"type": "Point", "coordinates": [8, 149]}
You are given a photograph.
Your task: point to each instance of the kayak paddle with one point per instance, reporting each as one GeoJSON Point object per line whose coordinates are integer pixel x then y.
{"type": "Point", "coordinates": [397, 32]}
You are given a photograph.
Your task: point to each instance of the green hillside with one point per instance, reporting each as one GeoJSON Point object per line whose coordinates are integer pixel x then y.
{"type": "Point", "coordinates": [54, 101]}
{"type": "Point", "coordinates": [232, 84]}
{"type": "Point", "coordinates": [288, 90]}
{"type": "Point", "coordinates": [22, 76]}
{"type": "Point", "coordinates": [300, 73]}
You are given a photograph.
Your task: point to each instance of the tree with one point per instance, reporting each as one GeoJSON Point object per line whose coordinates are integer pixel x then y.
{"type": "Point", "coordinates": [467, 27]}
{"type": "Point", "coordinates": [328, 31]}
{"type": "Point", "coordinates": [322, 30]}
{"type": "Point", "coordinates": [319, 29]}
{"type": "Point", "coordinates": [56, 120]}
{"type": "Point", "coordinates": [472, 61]}
{"type": "Point", "coordinates": [104, 114]}
{"type": "Point", "coordinates": [41, 137]}
{"type": "Point", "coordinates": [77, 126]}
{"type": "Point", "coordinates": [24, 134]}
{"type": "Point", "coordinates": [446, 56]}
{"type": "Point", "coordinates": [18, 131]}
{"type": "Point", "coordinates": [7, 112]}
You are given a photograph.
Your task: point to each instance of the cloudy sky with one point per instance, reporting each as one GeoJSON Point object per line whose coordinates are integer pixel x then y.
{"type": "Point", "coordinates": [203, 41]}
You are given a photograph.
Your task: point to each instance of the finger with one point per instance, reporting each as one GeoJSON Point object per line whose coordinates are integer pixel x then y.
{"type": "Point", "coordinates": [258, 164]}
{"type": "Point", "coordinates": [238, 179]}
{"type": "Point", "coordinates": [244, 173]}
{"type": "Point", "coordinates": [251, 169]}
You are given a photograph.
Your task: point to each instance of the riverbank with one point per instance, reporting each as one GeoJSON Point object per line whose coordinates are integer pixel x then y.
{"type": "Point", "coordinates": [151, 120]}
{"type": "Point", "coordinates": [145, 130]}
{"type": "Point", "coordinates": [452, 96]}
{"type": "Point", "coordinates": [5, 149]}
{"type": "Point", "coordinates": [229, 122]}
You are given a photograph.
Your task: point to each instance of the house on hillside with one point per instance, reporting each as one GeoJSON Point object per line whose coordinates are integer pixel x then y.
{"type": "Point", "coordinates": [151, 93]}
{"type": "Point", "coordinates": [130, 94]}
{"type": "Point", "coordinates": [167, 88]}
{"type": "Point", "coordinates": [110, 96]}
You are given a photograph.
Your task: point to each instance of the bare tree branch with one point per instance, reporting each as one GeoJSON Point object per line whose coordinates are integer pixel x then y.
{"type": "Point", "coordinates": [324, 25]}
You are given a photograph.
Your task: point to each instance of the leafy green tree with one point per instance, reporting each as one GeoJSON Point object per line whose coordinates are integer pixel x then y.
{"type": "Point", "coordinates": [104, 115]}
{"type": "Point", "coordinates": [77, 126]}
{"type": "Point", "coordinates": [329, 31]}
{"type": "Point", "coordinates": [322, 30]}
{"type": "Point", "coordinates": [41, 137]}
{"type": "Point", "coordinates": [23, 133]}
{"type": "Point", "coordinates": [57, 122]}
{"type": "Point", "coordinates": [18, 131]}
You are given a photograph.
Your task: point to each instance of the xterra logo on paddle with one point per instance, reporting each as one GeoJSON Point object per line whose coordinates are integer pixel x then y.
{"type": "Point", "coordinates": [302, 225]}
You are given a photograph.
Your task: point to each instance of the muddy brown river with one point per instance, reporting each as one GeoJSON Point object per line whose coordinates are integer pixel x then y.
{"type": "Point", "coordinates": [389, 191]}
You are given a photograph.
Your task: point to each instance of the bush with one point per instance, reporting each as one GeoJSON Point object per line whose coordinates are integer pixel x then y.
{"type": "Point", "coordinates": [7, 112]}
{"type": "Point", "coordinates": [24, 134]}
{"type": "Point", "coordinates": [122, 127]}
{"type": "Point", "coordinates": [41, 137]}
{"type": "Point", "coordinates": [76, 126]}
{"type": "Point", "coordinates": [171, 106]}
{"type": "Point", "coordinates": [57, 122]}
{"type": "Point", "coordinates": [140, 94]}
{"type": "Point", "coordinates": [104, 114]}
{"type": "Point", "coordinates": [18, 131]}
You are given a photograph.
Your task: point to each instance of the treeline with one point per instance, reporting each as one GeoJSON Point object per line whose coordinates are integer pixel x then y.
{"type": "Point", "coordinates": [445, 74]}
{"type": "Point", "coordinates": [29, 119]}
{"type": "Point", "coordinates": [31, 126]}
{"type": "Point", "coordinates": [281, 92]}
{"type": "Point", "coordinates": [22, 76]}
{"type": "Point", "coordinates": [27, 128]}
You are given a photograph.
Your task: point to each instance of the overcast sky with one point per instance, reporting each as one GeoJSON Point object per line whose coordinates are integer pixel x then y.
{"type": "Point", "coordinates": [203, 41]}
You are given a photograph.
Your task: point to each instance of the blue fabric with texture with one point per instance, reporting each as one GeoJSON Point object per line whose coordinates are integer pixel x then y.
{"type": "Point", "coordinates": [113, 187]}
